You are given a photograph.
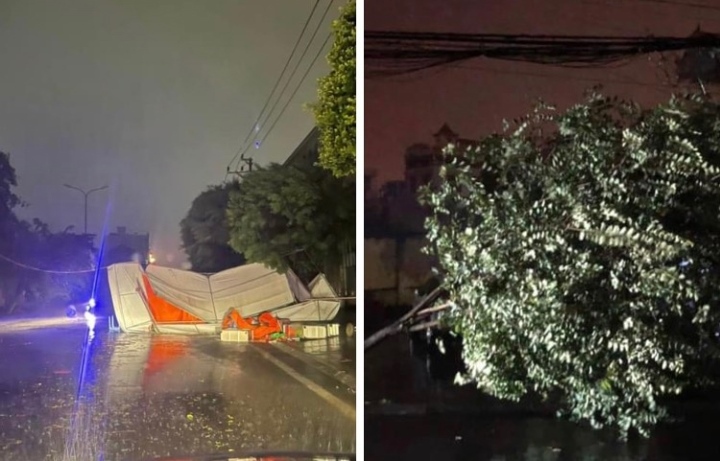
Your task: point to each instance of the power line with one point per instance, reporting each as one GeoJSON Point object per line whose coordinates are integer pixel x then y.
{"type": "Point", "coordinates": [277, 82]}
{"type": "Point", "coordinates": [47, 271]}
{"type": "Point", "coordinates": [701, 6]}
{"type": "Point", "coordinates": [297, 65]}
{"type": "Point", "coordinates": [655, 11]}
{"type": "Point", "coordinates": [297, 87]}
{"type": "Point", "coordinates": [563, 76]}
{"type": "Point", "coordinates": [395, 53]}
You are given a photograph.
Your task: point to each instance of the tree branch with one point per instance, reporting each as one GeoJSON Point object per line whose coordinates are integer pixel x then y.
{"type": "Point", "coordinates": [398, 325]}
{"type": "Point", "coordinates": [424, 326]}
{"type": "Point", "coordinates": [431, 310]}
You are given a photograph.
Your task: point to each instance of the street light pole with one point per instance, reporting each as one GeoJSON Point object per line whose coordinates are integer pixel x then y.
{"type": "Point", "coordinates": [86, 194]}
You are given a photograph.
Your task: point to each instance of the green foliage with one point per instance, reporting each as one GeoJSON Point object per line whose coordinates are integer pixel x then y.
{"type": "Point", "coordinates": [204, 231]}
{"type": "Point", "coordinates": [280, 210]}
{"type": "Point", "coordinates": [32, 244]}
{"type": "Point", "coordinates": [8, 180]}
{"type": "Point", "coordinates": [8, 202]}
{"type": "Point", "coordinates": [60, 251]}
{"type": "Point", "coordinates": [335, 110]}
{"type": "Point", "coordinates": [584, 263]}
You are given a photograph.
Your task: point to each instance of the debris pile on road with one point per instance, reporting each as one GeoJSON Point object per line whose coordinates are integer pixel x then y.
{"type": "Point", "coordinates": [265, 327]}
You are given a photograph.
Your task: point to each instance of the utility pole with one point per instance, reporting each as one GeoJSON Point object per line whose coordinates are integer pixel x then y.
{"type": "Point", "coordinates": [248, 163]}
{"type": "Point", "coordinates": [86, 194]}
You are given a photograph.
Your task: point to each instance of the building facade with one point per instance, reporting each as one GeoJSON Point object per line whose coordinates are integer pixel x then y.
{"type": "Point", "coordinates": [395, 232]}
{"type": "Point", "coordinates": [123, 246]}
{"type": "Point", "coordinates": [396, 206]}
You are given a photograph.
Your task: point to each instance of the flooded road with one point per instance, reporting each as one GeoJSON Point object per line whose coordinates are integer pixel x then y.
{"type": "Point", "coordinates": [131, 397]}
{"type": "Point", "coordinates": [409, 416]}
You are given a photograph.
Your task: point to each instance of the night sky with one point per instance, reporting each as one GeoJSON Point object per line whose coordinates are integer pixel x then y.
{"type": "Point", "coordinates": [475, 97]}
{"type": "Point", "coordinates": [152, 98]}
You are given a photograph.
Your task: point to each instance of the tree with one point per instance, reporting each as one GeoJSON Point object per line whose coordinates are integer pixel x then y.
{"type": "Point", "coordinates": [8, 180]}
{"type": "Point", "coordinates": [580, 252]}
{"type": "Point", "coordinates": [335, 110]}
{"type": "Point", "coordinates": [33, 258]}
{"type": "Point", "coordinates": [204, 231]}
{"type": "Point", "coordinates": [9, 228]}
{"type": "Point", "coordinates": [9, 201]}
{"type": "Point", "coordinates": [280, 210]}
{"type": "Point", "coordinates": [56, 266]}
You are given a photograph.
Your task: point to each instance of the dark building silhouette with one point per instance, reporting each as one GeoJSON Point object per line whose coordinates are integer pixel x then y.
{"type": "Point", "coordinates": [307, 153]}
{"type": "Point", "coordinates": [341, 275]}
{"type": "Point", "coordinates": [122, 246]}
{"type": "Point", "coordinates": [395, 210]}
{"type": "Point", "coordinates": [701, 64]}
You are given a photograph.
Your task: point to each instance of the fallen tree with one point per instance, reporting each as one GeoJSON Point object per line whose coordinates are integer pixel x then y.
{"type": "Point", "coordinates": [420, 310]}
{"type": "Point", "coordinates": [580, 250]}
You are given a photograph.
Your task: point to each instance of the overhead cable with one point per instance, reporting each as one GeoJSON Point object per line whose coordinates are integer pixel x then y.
{"type": "Point", "coordinates": [396, 53]}
{"type": "Point", "coordinates": [307, 71]}
{"type": "Point", "coordinates": [297, 65]}
{"type": "Point", "coordinates": [275, 86]}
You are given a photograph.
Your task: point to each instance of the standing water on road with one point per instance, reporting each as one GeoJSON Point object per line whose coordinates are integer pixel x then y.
{"type": "Point", "coordinates": [144, 396]}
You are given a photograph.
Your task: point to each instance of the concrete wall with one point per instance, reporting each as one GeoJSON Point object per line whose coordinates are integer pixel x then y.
{"type": "Point", "coordinates": [395, 268]}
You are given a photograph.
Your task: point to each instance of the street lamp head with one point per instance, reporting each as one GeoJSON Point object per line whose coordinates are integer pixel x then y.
{"type": "Point", "coordinates": [86, 194]}
{"type": "Point", "coordinates": [70, 186]}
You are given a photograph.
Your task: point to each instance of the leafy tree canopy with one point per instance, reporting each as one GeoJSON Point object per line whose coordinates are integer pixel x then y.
{"type": "Point", "coordinates": [581, 252]}
{"type": "Point", "coordinates": [335, 109]}
{"type": "Point", "coordinates": [204, 231]}
{"type": "Point", "coordinates": [50, 254]}
{"type": "Point", "coordinates": [33, 256]}
{"type": "Point", "coordinates": [8, 199]}
{"type": "Point", "coordinates": [280, 210]}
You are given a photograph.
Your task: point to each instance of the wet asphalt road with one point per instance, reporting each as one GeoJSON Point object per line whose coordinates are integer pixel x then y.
{"type": "Point", "coordinates": [410, 417]}
{"type": "Point", "coordinates": [136, 397]}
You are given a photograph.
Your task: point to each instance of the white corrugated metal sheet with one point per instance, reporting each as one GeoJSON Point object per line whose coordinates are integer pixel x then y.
{"type": "Point", "coordinates": [250, 289]}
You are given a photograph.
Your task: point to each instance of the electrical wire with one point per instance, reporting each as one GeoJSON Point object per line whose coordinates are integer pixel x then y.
{"type": "Point", "coordinates": [618, 81]}
{"type": "Point", "coordinates": [701, 6]}
{"type": "Point", "coordinates": [277, 82]}
{"type": "Point", "coordinates": [397, 53]}
{"type": "Point", "coordinates": [47, 271]}
{"type": "Point", "coordinates": [287, 103]}
{"type": "Point", "coordinates": [297, 65]}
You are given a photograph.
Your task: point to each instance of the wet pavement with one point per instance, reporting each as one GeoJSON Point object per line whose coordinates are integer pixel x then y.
{"type": "Point", "coordinates": [334, 356]}
{"type": "Point", "coordinates": [133, 397]}
{"type": "Point", "coordinates": [408, 416]}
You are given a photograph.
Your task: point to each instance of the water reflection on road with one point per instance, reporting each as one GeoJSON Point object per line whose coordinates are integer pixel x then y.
{"type": "Point", "coordinates": [148, 396]}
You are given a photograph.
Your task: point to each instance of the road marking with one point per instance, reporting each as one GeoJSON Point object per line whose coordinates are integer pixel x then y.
{"type": "Point", "coordinates": [344, 408]}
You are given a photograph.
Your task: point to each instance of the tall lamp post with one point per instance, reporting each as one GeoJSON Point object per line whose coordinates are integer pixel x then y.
{"type": "Point", "coordinates": [86, 194]}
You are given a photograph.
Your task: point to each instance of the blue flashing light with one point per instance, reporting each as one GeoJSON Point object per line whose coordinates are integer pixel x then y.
{"type": "Point", "coordinates": [92, 303]}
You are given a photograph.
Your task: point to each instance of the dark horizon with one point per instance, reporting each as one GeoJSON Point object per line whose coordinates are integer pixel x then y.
{"type": "Point", "coordinates": [473, 97]}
